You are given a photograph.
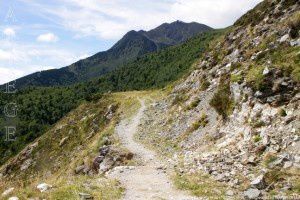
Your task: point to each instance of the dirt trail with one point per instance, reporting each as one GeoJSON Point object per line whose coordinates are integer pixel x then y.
{"type": "Point", "coordinates": [147, 180]}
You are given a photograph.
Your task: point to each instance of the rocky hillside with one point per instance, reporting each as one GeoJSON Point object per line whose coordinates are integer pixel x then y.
{"type": "Point", "coordinates": [236, 117]}
{"type": "Point", "coordinates": [133, 45]}
{"type": "Point", "coordinates": [228, 129]}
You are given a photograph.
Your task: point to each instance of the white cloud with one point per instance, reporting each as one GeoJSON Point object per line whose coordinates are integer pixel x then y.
{"type": "Point", "coordinates": [25, 59]}
{"type": "Point", "coordinates": [83, 56]}
{"type": "Point", "coordinates": [8, 74]}
{"type": "Point", "coordinates": [112, 19]}
{"type": "Point", "coordinates": [5, 55]}
{"type": "Point", "coordinates": [47, 37]}
{"type": "Point", "coordinates": [9, 32]}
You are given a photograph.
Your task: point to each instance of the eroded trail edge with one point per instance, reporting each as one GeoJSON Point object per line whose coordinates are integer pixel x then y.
{"type": "Point", "coordinates": [147, 180]}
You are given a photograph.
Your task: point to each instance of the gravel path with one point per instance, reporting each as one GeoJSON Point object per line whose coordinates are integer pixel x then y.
{"type": "Point", "coordinates": [147, 180]}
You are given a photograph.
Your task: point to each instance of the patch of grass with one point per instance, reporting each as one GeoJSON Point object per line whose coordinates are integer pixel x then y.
{"type": "Point", "coordinates": [296, 188]}
{"type": "Point", "coordinates": [222, 100]}
{"type": "Point", "coordinates": [256, 138]}
{"type": "Point", "coordinates": [282, 112]}
{"type": "Point", "coordinates": [236, 78]}
{"type": "Point", "coordinates": [179, 98]}
{"type": "Point", "coordinates": [256, 15]}
{"type": "Point", "coordinates": [65, 188]}
{"type": "Point", "coordinates": [202, 121]}
{"type": "Point", "coordinates": [273, 176]}
{"type": "Point", "coordinates": [255, 77]}
{"type": "Point", "coordinates": [287, 59]}
{"type": "Point", "coordinates": [200, 185]}
{"type": "Point", "coordinates": [257, 124]}
{"type": "Point", "coordinates": [236, 65]}
{"type": "Point", "coordinates": [204, 84]}
{"type": "Point", "coordinates": [269, 158]}
{"type": "Point", "coordinates": [193, 104]}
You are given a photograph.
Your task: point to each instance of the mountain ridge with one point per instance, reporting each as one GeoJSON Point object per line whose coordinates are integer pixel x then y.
{"type": "Point", "coordinates": [132, 45]}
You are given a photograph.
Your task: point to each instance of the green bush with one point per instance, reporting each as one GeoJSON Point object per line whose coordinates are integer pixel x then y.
{"type": "Point", "coordinates": [282, 112]}
{"type": "Point", "coordinates": [236, 78]}
{"type": "Point", "coordinates": [255, 77]}
{"type": "Point", "coordinates": [194, 104]}
{"type": "Point", "coordinates": [204, 84]}
{"type": "Point", "coordinates": [222, 100]}
{"type": "Point", "coordinates": [202, 121]}
{"type": "Point", "coordinates": [256, 138]}
{"type": "Point", "coordinates": [294, 25]}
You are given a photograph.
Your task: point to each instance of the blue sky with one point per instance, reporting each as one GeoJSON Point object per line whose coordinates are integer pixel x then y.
{"type": "Point", "coordinates": [44, 34]}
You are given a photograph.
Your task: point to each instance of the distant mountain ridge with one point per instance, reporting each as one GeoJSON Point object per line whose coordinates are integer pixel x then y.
{"type": "Point", "coordinates": [132, 45]}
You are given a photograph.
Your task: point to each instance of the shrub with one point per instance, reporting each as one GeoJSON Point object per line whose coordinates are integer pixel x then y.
{"type": "Point", "coordinates": [294, 25]}
{"type": "Point", "coordinates": [222, 101]}
{"type": "Point", "coordinates": [269, 158]}
{"type": "Point", "coordinates": [193, 104]}
{"type": "Point", "coordinates": [255, 77]}
{"type": "Point", "coordinates": [274, 176]}
{"type": "Point", "coordinates": [204, 84]}
{"type": "Point", "coordinates": [236, 78]}
{"type": "Point", "coordinates": [296, 74]}
{"type": "Point", "coordinates": [235, 65]}
{"type": "Point", "coordinates": [202, 121]}
{"type": "Point", "coordinates": [256, 138]}
{"type": "Point", "coordinates": [257, 124]}
{"type": "Point", "coordinates": [282, 112]}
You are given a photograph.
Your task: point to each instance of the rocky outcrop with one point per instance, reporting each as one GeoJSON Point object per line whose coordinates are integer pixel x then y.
{"type": "Point", "coordinates": [255, 148]}
{"type": "Point", "coordinates": [109, 157]}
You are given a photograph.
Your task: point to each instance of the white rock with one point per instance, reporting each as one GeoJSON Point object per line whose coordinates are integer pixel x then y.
{"type": "Point", "coordinates": [13, 198]}
{"type": "Point", "coordinates": [266, 71]}
{"type": "Point", "coordinates": [259, 182]}
{"type": "Point", "coordinates": [284, 38]}
{"type": "Point", "coordinates": [252, 193]}
{"type": "Point", "coordinates": [287, 164]}
{"type": "Point", "coordinates": [295, 43]}
{"type": "Point", "coordinates": [43, 187]}
{"type": "Point", "coordinates": [258, 93]}
{"type": "Point", "coordinates": [229, 193]}
{"type": "Point", "coordinates": [8, 191]}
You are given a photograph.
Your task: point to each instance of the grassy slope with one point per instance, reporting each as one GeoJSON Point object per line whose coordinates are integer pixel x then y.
{"type": "Point", "coordinates": [55, 164]}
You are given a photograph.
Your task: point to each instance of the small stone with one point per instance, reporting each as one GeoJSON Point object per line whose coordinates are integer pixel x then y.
{"type": "Point", "coordinates": [287, 164]}
{"type": "Point", "coordinates": [43, 187]}
{"type": "Point", "coordinates": [63, 141]}
{"type": "Point", "coordinates": [284, 38]}
{"type": "Point", "coordinates": [104, 150]}
{"type": "Point", "coordinates": [229, 193]}
{"type": "Point", "coordinates": [7, 192]}
{"type": "Point", "coordinates": [295, 43]}
{"type": "Point", "coordinates": [266, 71]}
{"type": "Point", "coordinates": [97, 162]}
{"type": "Point", "coordinates": [252, 193]}
{"type": "Point", "coordinates": [79, 169]}
{"type": "Point", "coordinates": [258, 93]}
{"type": "Point", "coordinates": [252, 159]}
{"type": "Point", "coordinates": [259, 182]}
{"type": "Point", "coordinates": [13, 198]}
{"type": "Point", "coordinates": [85, 196]}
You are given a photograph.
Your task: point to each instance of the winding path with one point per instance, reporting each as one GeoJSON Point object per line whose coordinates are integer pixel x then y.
{"type": "Point", "coordinates": [147, 180]}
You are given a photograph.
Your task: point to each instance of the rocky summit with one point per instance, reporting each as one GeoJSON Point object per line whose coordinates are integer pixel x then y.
{"type": "Point", "coordinates": [227, 127]}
